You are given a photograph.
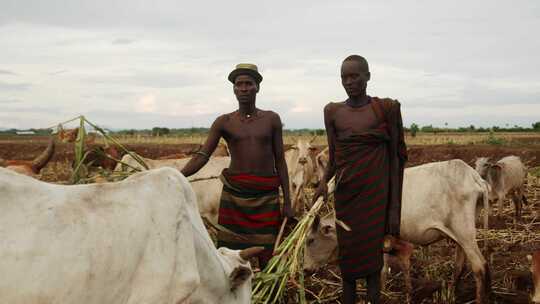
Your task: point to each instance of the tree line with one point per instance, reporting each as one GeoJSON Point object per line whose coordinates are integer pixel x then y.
{"type": "Point", "coordinates": [413, 129]}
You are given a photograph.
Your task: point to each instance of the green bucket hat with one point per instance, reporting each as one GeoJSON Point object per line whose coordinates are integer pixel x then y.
{"type": "Point", "coordinates": [245, 69]}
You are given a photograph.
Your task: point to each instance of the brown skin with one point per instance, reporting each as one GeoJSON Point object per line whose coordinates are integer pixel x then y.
{"type": "Point", "coordinates": [255, 142]}
{"type": "Point", "coordinates": [354, 115]}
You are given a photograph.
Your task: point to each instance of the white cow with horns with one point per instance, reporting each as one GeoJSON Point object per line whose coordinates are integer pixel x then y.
{"type": "Point", "coordinates": [138, 241]}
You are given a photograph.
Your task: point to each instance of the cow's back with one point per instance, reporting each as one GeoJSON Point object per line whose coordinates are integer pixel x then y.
{"type": "Point", "coordinates": [89, 243]}
{"type": "Point", "coordinates": [513, 172]}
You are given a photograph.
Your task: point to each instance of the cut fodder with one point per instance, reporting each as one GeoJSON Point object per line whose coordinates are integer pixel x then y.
{"type": "Point", "coordinates": [286, 269]}
{"type": "Point", "coordinates": [80, 168]}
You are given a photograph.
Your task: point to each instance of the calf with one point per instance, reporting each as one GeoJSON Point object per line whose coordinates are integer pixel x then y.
{"type": "Point", "coordinates": [506, 176]}
{"type": "Point", "coordinates": [534, 259]}
{"type": "Point", "coordinates": [439, 201]}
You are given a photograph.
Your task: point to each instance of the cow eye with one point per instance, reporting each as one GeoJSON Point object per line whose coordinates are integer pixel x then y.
{"type": "Point", "coordinates": [310, 242]}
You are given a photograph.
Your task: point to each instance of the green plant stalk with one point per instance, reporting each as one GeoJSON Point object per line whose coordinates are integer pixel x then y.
{"type": "Point", "coordinates": [100, 130]}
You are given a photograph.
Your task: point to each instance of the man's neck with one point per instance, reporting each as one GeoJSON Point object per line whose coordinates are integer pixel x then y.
{"type": "Point", "coordinates": [247, 108]}
{"type": "Point", "coordinates": [358, 101]}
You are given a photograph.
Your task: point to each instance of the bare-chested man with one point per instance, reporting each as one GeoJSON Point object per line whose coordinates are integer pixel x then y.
{"type": "Point", "coordinates": [250, 199]}
{"type": "Point", "coordinates": [367, 154]}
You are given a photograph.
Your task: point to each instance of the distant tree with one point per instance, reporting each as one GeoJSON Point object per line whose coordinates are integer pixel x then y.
{"type": "Point", "coordinates": [472, 128]}
{"type": "Point", "coordinates": [536, 126]}
{"type": "Point", "coordinates": [157, 131]}
{"type": "Point", "coordinates": [414, 129]}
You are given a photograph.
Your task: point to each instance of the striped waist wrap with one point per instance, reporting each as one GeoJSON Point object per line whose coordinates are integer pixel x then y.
{"type": "Point", "coordinates": [249, 207]}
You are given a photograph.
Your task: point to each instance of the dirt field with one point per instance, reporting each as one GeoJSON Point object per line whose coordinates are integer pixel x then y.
{"type": "Point", "coordinates": [508, 242]}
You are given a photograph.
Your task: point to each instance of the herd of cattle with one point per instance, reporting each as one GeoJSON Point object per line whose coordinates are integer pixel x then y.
{"type": "Point", "coordinates": [142, 240]}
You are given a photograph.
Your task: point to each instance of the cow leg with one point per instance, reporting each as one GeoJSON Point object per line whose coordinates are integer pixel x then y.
{"type": "Point", "coordinates": [465, 237]}
{"type": "Point", "coordinates": [500, 199]}
{"type": "Point", "coordinates": [384, 271]}
{"type": "Point", "coordinates": [404, 258]}
{"type": "Point", "coordinates": [516, 198]}
{"type": "Point", "coordinates": [460, 266]}
{"type": "Point", "coordinates": [480, 269]}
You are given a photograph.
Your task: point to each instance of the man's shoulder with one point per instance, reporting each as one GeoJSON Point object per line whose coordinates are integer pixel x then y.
{"type": "Point", "coordinates": [388, 104]}
{"type": "Point", "coordinates": [333, 105]}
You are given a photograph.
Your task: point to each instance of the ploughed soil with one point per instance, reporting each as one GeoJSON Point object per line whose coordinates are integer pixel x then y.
{"type": "Point", "coordinates": [505, 246]}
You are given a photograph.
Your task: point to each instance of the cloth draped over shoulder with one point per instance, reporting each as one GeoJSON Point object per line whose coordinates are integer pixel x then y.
{"type": "Point", "coordinates": [250, 208]}
{"type": "Point", "coordinates": [368, 189]}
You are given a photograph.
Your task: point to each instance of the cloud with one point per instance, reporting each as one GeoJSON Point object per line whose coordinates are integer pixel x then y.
{"type": "Point", "coordinates": [14, 86]}
{"type": "Point", "coordinates": [6, 72]}
{"type": "Point", "coordinates": [123, 41]}
{"type": "Point", "coordinates": [146, 104]}
{"type": "Point", "coordinates": [300, 109]}
{"type": "Point", "coordinates": [6, 101]}
{"type": "Point", "coordinates": [57, 72]}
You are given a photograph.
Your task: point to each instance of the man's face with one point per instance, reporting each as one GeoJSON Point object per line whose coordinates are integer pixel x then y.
{"type": "Point", "coordinates": [245, 88]}
{"type": "Point", "coordinates": [354, 78]}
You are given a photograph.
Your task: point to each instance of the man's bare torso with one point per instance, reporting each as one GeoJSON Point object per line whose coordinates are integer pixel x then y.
{"type": "Point", "coordinates": [250, 141]}
{"type": "Point", "coordinates": [349, 120]}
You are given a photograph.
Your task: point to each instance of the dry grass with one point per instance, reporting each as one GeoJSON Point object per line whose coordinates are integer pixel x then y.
{"type": "Point", "coordinates": [442, 138]}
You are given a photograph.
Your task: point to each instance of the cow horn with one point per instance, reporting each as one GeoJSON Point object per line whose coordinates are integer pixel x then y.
{"type": "Point", "coordinates": [313, 139]}
{"type": "Point", "coordinates": [44, 157]}
{"type": "Point", "coordinates": [250, 252]}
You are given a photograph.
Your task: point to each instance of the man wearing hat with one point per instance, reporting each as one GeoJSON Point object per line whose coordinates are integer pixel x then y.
{"type": "Point", "coordinates": [249, 203]}
{"type": "Point", "coordinates": [367, 155]}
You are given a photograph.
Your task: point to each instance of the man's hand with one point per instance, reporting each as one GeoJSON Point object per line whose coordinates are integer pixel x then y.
{"type": "Point", "coordinates": [322, 190]}
{"type": "Point", "coordinates": [288, 212]}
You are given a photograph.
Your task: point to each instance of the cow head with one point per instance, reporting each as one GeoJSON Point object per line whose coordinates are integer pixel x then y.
{"type": "Point", "coordinates": [301, 169]}
{"type": "Point", "coordinates": [535, 270]}
{"type": "Point", "coordinates": [237, 267]}
{"type": "Point", "coordinates": [304, 150]}
{"type": "Point", "coordinates": [321, 243]}
{"type": "Point", "coordinates": [321, 161]}
{"type": "Point", "coordinates": [490, 172]}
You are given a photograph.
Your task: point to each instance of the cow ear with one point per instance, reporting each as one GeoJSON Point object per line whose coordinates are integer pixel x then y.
{"type": "Point", "coordinates": [239, 275]}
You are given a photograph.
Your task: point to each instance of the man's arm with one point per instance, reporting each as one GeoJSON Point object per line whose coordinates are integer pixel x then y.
{"type": "Point", "coordinates": [281, 164]}
{"type": "Point", "coordinates": [331, 166]}
{"type": "Point", "coordinates": [201, 157]}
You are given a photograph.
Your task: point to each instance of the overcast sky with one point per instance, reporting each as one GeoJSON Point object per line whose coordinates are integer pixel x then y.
{"type": "Point", "coordinates": [140, 64]}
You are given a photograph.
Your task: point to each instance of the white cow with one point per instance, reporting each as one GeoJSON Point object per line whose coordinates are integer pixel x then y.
{"type": "Point", "coordinates": [321, 160]}
{"type": "Point", "coordinates": [507, 176]}
{"type": "Point", "coordinates": [439, 201]}
{"type": "Point", "coordinates": [301, 172]}
{"type": "Point", "coordinates": [205, 183]}
{"type": "Point", "coordinates": [138, 241]}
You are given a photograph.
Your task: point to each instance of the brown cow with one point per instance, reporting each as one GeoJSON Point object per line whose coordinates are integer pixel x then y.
{"type": "Point", "coordinates": [535, 270]}
{"type": "Point", "coordinates": [31, 167]}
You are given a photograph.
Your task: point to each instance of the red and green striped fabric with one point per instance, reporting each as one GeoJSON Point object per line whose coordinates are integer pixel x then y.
{"type": "Point", "coordinates": [361, 199]}
{"type": "Point", "coordinates": [249, 207]}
